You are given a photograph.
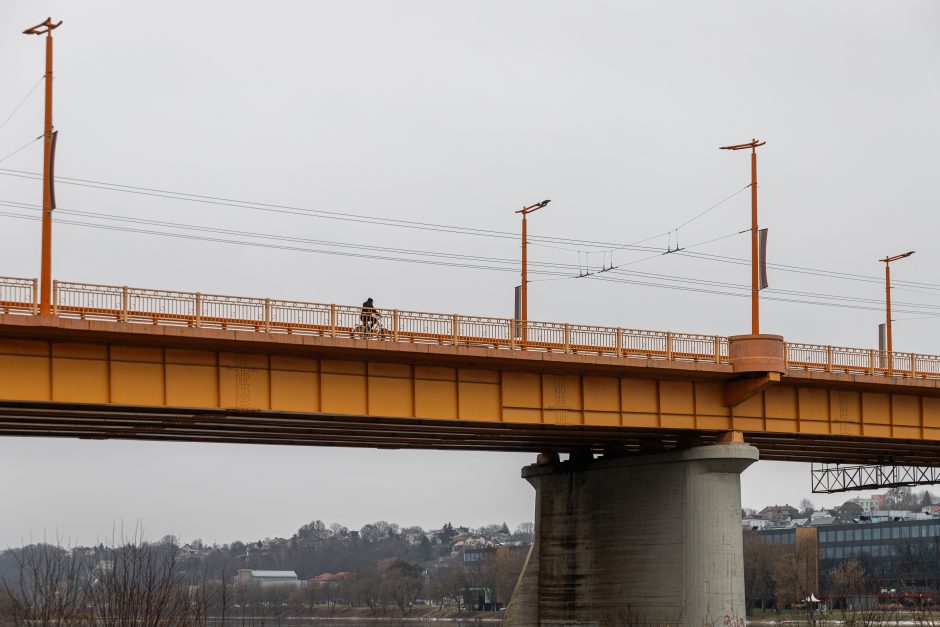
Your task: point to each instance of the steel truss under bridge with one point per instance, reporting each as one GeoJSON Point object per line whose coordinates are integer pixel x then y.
{"type": "Point", "coordinates": [829, 478]}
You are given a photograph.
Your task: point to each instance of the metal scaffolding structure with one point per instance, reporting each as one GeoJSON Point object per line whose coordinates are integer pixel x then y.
{"type": "Point", "coordinates": [829, 478]}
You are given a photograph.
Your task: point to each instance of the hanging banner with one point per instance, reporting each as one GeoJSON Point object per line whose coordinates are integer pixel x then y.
{"type": "Point", "coordinates": [55, 135]}
{"type": "Point", "coordinates": [762, 259]}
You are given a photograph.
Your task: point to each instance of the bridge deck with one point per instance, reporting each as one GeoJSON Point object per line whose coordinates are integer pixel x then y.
{"type": "Point", "coordinates": [139, 364]}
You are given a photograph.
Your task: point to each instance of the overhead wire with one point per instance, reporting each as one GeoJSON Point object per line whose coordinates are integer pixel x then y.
{"type": "Point", "coordinates": [533, 240]}
{"type": "Point", "coordinates": [20, 149]}
{"type": "Point", "coordinates": [551, 270]}
{"type": "Point", "coordinates": [321, 213]}
{"type": "Point", "coordinates": [284, 247]}
{"type": "Point", "coordinates": [746, 295]}
{"type": "Point", "coordinates": [265, 236]}
{"type": "Point", "coordinates": [22, 102]}
{"type": "Point", "coordinates": [553, 275]}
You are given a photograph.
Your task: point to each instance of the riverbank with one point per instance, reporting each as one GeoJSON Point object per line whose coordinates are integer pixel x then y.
{"type": "Point", "coordinates": [365, 616]}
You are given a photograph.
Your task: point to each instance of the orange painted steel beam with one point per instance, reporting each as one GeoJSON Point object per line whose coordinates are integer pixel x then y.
{"type": "Point", "coordinates": [82, 378]}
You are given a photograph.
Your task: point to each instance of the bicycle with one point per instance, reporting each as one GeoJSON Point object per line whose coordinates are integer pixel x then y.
{"type": "Point", "coordinates": [372, 328]}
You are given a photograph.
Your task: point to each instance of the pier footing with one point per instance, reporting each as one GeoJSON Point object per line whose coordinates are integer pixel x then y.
{"type": "Point", "coordinates": [643, 540]}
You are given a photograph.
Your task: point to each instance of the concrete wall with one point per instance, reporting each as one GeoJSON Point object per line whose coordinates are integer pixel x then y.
{"type": "Point", "coordinates": [651, 539]}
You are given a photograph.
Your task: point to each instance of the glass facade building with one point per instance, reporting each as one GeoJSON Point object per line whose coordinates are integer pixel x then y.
{"type": "Point", "coordinates": [901, 556]}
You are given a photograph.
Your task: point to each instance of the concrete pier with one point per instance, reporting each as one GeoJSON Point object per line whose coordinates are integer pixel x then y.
{"type": "Point", "coordinates": [641, 540]}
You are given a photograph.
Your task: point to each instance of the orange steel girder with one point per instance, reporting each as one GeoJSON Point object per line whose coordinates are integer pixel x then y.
{"type": "Point", "coordinates": [199, 385]}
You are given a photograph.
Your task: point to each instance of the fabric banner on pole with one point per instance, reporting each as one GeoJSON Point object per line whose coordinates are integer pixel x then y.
{"type": "Point", "coordinates": [883, 345]}
{"type": "Point", "coordinates": [762, 259]}
{"type": "Point", "coordinates": [55, 136]}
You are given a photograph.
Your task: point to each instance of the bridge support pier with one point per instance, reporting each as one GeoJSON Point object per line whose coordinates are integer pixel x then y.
{"type": "Point", "coordinates": [642, 540]}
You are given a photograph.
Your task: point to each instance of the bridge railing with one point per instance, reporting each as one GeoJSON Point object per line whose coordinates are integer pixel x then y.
{"type": "Point", "coordinates": [861, 361]}
{"type": "Point", "coordinates": [214, 311]}
{"type": "Point", "coordinates": [19, 296]}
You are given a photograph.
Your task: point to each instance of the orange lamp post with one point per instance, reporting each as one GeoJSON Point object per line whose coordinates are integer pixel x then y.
{"type": "Point", "coordinates": [525, 211]}
{"type": "Point", "coordinates": [48, 201]}
{"type": "Point", "coordinates": [755, 272]}
{"type": "Point", "coordinates": [887, 261]}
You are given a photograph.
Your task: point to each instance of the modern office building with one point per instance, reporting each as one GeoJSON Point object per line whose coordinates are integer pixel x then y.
{"type": "Point", "coordinates": [902, 556]}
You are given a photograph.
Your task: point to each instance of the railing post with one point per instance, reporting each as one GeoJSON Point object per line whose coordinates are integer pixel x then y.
{"type": "Point", "coordinates": [395, 327]}
{"type": "Point", "coordinates": [35, 298]}
{"type": "Point", "coordinates": [198, 312]}
{"type": "Point", "coordinates": [124, 300]}
{"type": "Point", "coordinates": [619, 342]}
{"type": "Point", "coordinates": [455, 326]}
{"type": "Point", "coordinates": [567, 338]}
{"type": "Point", "coordinates": [718, 349]}
{"type": "Point", "coordinates": [669, 345]}
{"type": "Point", "coordinates": [913, 366]}
{"type": "Point", "coordinates": [512, 333]}
{"type": "Point", "coordinates": [871, 361]}
{"type": "Point", "coordinates": [55, 297]}
{"type": "Point", "coordinates": [267, 315]}
{"type": "Point", "coordinates": [332, 320]}
{"type": "Point", "coordinates": [829, 359]}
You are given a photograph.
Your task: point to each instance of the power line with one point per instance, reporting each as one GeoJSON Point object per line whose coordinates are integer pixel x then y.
{"type": "Point", "coordinates": [322, 213]}
{"type": "Point", "coordinates": [702, 290]}
{"type": "Point", "coordinates": [21, 148]}
{"type": "Point", "coordinates": [451, 260]}
{"type": "Point", "coordinates": [534, 240]}
{"type": "Point", "coordinates": [22, 102]}
{"type": "Point", "coordinates": [184, 236]}
{"type": "Point", "coordinates": [831, 274]}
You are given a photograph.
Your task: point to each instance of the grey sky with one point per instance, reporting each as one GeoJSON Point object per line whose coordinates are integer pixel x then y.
{"type": "Point", "coordinates": [460, 113]}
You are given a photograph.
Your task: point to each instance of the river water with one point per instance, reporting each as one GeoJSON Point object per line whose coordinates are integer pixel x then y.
{"type": "Point", "coordinates": [332, 622]}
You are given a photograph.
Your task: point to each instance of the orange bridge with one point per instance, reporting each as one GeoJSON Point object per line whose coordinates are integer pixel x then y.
{"type": "Point", "coordinates": [119, 362]}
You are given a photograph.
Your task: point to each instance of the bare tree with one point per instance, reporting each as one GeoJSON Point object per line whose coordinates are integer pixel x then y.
{"type": "Point", "coordinates": [132, 584]}
{"type": "Point", "coordinates": [795, 581]}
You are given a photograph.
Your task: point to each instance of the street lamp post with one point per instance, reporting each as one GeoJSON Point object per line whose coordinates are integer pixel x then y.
{"type": "Point", "coordinates": [524, 313]}
{"type": "Point", "coordinates": [755, 272]}
{"type": "Point", "coordinates": [48, 198]}
{"type": "Point", "coordinates": [887, 261]}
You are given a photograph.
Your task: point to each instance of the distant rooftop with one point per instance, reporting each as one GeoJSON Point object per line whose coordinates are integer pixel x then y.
{"type": "Point", "coordinates": [273, 573]}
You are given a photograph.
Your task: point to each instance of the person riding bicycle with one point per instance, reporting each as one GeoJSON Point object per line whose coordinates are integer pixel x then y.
{"type": "Point", "coordinates": [369, 316]}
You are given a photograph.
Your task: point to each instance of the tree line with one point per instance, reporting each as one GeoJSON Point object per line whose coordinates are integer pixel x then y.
{"type": "Point", "coordinates": [386, 568]}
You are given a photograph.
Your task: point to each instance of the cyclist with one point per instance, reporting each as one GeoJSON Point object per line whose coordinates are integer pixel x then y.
{"type": "Point", "coordinates": [369, 316]}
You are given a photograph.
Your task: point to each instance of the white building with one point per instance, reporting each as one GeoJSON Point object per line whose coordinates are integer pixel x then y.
{"type": "Point", "coordinates": [246, 577]}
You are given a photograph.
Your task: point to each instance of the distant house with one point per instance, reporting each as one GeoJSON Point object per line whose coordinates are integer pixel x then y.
{"type": "Point", "coordinates": [332, 577]}
{"type": "Point", "coordinates": [246, 577]}
{"type": "Point", "coordinates": [867, 504]}
{"type": "Point", "coordinates": [779, 513]}
{"type": "Point", "coordinates": [511, 548]}
{"type": "Point", "coordinates": [477, 554]}
{"type": "Point", "coordinates": [822, 521]}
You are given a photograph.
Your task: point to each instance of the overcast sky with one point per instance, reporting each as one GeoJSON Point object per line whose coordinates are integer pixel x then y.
{"type": "Point", "coordinates": [459, 114]}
